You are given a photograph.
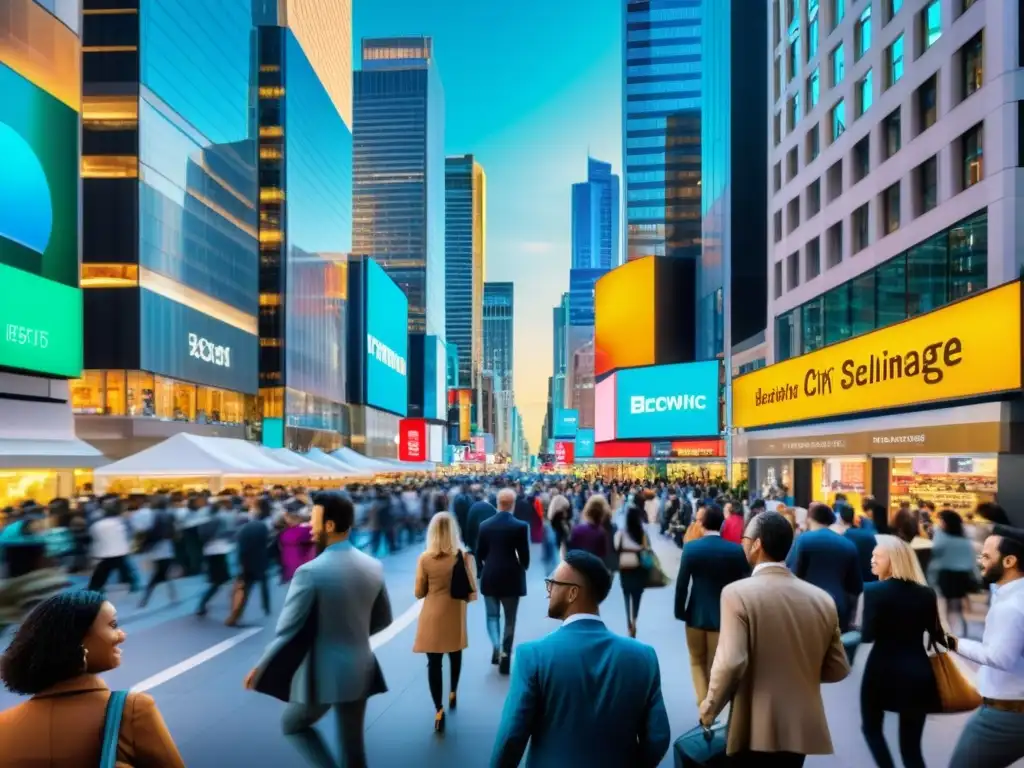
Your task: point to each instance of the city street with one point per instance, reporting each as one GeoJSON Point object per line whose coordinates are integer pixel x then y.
{"type": "Point", "coordinates": [194, 668]}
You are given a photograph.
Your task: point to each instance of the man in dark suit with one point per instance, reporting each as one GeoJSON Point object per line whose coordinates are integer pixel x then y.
{"type": "Point", "coordinates": [829, 561]}
{"type": "Point", "coordinates": [503, 557]}
{"type": "Point", "coordinates": [480, 511]}
{"type": "Point", "coordinates": [461, 505]}
{"type": "Point", "coordinates": [708, 565]}
{"type": "Point", "coordinates": [863, 539]}
{"type": "Point", "coordinates": [583, 695]}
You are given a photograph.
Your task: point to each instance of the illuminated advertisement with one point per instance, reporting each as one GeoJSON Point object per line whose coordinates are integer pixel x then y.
{"type": "Point", "coordinates": [604, 410]}
{"type": "Point", "coordinates": [387, 342]}
{"type": "Point", "coordinates": [663, 401]}
{"type": "Point", "coordinates": [41, 310]}
{"type": "Point", "coordinates": [567, 421]}
{"type": "Point", "coordinates": [564, 452]}
{"type": "Point", "coordinates": [585, 444]}
{"type": "Point", "coordinates": [460, 414]}
{"type": "Point", "coordinates": [434, 377]}
{"type": "Point", "coordinates": [412, 440]}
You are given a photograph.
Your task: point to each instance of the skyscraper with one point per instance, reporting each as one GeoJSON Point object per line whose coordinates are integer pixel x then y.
{"type": "Point", "coordinates": [560, 350]}
{"type": "Point", "coordinates": [595, 218]}
{"type": "Point", "coordinates": [399, 167]}
{"type": "Point", "coordinates": [661, 127]}
{"type": "Point", "coordinates": [465, 261]}
{"type": "Point", "coordinates": [499, 314]}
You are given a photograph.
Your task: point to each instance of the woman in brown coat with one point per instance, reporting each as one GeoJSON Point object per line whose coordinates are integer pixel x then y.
{"type": "Point", "coordinates": [442, 624]}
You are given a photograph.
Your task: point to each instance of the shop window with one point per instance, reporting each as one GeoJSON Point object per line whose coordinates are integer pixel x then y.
{"type": "Point", "coordinates": [927, 275]}
{"type": "Point", "coordinates": [141, 397]}
{"type": "Point", "coordinates": [116, 395]}
{"type": "Point", "coordinates": [968, 257]}
{"type": "Point", "coordinates": [891, 293]}
{"type": "Point", "coordinates": [837, 314]}
{"type": "Point", "coordinates": [219, 406]}
{"type": "Point", "coordinates": [812, 331]}
{"type": "Point", "coordinates": [862, 303]}
{"type": "Point", "coordinates": [959, 483]}
{"type": "Point", "coordinates": [840, 475]}
{"type": "Point", "coordinates": [87, 393]}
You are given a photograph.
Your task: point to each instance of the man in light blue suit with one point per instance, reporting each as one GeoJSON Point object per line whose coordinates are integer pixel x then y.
{"type": "Point", "coordinates": [583, 695]}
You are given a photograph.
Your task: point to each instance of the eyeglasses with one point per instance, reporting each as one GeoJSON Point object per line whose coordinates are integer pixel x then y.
{"type": "Point", "coordinates": [552, 583]}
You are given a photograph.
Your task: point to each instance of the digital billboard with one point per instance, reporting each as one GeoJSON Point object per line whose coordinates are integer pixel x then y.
{"type": "Point", "coordinates": [564, 452]}
{"type": "Point", "coordinates": [41, 310]}
{"type": "Point", "coordinates": [567, 421]}
{"type": "Point", "coordinates": [434, 377]}
{"type": "Point", "coordinates": [412, 440]}
{"type": "Point", "coordinates": [387, 342]}
{"type": "Point", "coordinates": [664, 401]}
{"type": "Point", "coordinates": [604, 410]}
{"type": "Point", "coordinates": [585, 444]}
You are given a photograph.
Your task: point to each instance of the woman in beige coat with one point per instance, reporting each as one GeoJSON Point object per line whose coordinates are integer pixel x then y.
{"type": "Point", "coordinates": [442, 624]}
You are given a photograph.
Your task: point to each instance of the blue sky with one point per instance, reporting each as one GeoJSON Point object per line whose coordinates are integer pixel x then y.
{"type": "Point", "coordinates": [530, 87]}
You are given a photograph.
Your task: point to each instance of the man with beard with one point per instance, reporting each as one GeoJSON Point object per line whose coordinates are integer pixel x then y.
{"type": "Point", "coordinates": [583, 679]}
{"type": "Point", "coordinates": [994, 736]}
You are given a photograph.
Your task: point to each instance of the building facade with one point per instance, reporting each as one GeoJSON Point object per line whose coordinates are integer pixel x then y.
{"type": "Point", "coordinates": [499, 332]}
{"type": "Point", "coordinates": [465, 262]}
{"type": "Point", "coordinates": [596, 239]}
{"type": "Point", "coordinates": [661, 127]}
{"type": "Point", "coordinates": [399, 165]}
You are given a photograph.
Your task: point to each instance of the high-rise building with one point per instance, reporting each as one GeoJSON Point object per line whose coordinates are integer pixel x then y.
{"type": "Point", "coordinates": [731, 304]}
{"type": "Point", "coordinates": [465, 236]}
{"type": "Point", "coordinates": [661, 127]}
{"type": "Point", "coordinates": [892, 133]}
{"type": "Point", "coordinates": [498, 306]}
{"type": "Point", "coordinates": [595, 218]}
{"type": "Point", "coordinates": [399, 188]}
{"type": "Point", "coordinates": [560, 350]}
{"type": "Point", "coordinates": [170, 248]}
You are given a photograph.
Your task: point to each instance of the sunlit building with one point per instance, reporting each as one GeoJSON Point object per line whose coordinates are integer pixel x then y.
{"type": "Point", "coordinates": [465, 262]}
{"type": "Point", "coordinates": [595, 218]}
{"type": "Point", "coordinates": [499, 332]}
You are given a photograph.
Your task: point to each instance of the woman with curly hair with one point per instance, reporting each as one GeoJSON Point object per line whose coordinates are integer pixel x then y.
{"type": "Point", "coordinates": [55, 657]}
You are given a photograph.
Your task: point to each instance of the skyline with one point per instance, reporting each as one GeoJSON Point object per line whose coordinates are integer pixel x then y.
{"type": "Point", "coordinates": [520, 113]}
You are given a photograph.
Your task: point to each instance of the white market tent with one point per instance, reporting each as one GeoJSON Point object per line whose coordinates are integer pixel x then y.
{"type": "Point", "coordinates": [411, 466]}
{"type": "Point", "coordinates": [317, 456]}
{"type": "Point", "coordinates": [308, 467]}
{"type": "Point", "coordinates": [355, 459]}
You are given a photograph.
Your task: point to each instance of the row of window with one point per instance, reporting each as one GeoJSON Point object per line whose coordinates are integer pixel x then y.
{"type": "Point", "coordinates": [945, 267]}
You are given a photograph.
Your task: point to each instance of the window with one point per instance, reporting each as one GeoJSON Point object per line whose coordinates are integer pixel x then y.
{"type": "Point", "coordinates": [862, 303]}
{"type": "Point", "coordinates": [811, 330]}
{"type": "Point", "coordinates": [927, 104]}
{"type": "Point", "coordinates": [838, 119]}
{"type": "Point", "coordinates": [838, 65]}
{"type": "Point", "coordinates": [792, 111]}
{"type": "Point", "coordinates": [777, 174]}
{"type": "Point", "coordinates": [834, 181]}
{"type": "Point", "coordinates": [792, 163]}
{"type": "Point", "coordinates": [838, 12]}
{"type": "Point", "coordinates": [776, 27]}
{"type": "Point", "coordinates": [931, 24]}
{"type": "Point", "coordinates": [894, 59]}
{"type": "Point", "coordinates": [972, 146]}
{"type": "Point", "coordinates": [812, 267]}
{"type": "Point", "coordinates": [777, 225]}
{"type": "Point", "coordinates": [793, 214]}
{"type": "Point", "coordinates": [778, 279]}
{"type": "Point", "coordinates": [785, 336]}
{"type": "Point", "coordinates": [972, 58]}
{"type": "Point", "coordinates": [893, 7]}
{"type": "Point", "coordinates": [834, 243]}
{"type": "Point", "coordinates": [967, 4]}
{"type": "Point", "coordinates": [812, 38]}
{"type": "Point", "coordinates": [814, 198]}
{"type": "Point", "coordinates": [968, 257]}
{"type": "Point", "coordinates": [926, 179]}
{"type": "Point", "coordinates": [813, 90]}
{"type": "Point", "coordinates": [891, 209]}
{"type": "Point", "coordinates": [864, 94]}
{"type": "Point", "coordinates": [837, 314]}
{"type": "Point", "coordinates": [861, 160]}
{"type": "Point", "coordinates": [860, 232]}
{"type": "Point", "coordinates": [792, 271]}
{"type": "Point", "coordinates": [862, 33]}
{"type": "Point", "coordinates": [813, 143]}
{"type": "Point", "coordinates": [777, 128]}
{"type": "Point", "coordinates": [927, 275]}
{"type": "Point", "coordinates": [892, 128]}
{"type": "Point", "coordinates": [891, 284]}
{"type": "Point", "coordinates": [794, 58]}
{"type": "Point", "coordinates": [777, 77]}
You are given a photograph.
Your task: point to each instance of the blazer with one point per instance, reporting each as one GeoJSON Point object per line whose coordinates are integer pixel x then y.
{"type": "Point", "coordinates": [254, 548]}
{"type": "Point", "coordinates": [624, 719]}
{"type": "Point", "coordinates": [829, 561]}
{"type": "Point", "coordinates": [503, 555]}
{"type": "Point", "coordinates": [589, 537]}
{"type": "Point", "coordinates": [707, 566]}
{"type": "Point", "coordinates": [321, 652]}
{"type": "Point", "coordinates": [779, 642]}
{"type": "Point", "coordinates": [62, 727]}
{"type": "Point", "coordinates": [864, 540]}
{"type": "Point", "coordinates": [442, 624]}
{"type": "Point", "coordinates": [480, 511]}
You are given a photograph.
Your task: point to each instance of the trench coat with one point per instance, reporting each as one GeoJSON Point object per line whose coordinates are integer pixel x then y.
{"type": "Point", "coordinates": [442, 624]}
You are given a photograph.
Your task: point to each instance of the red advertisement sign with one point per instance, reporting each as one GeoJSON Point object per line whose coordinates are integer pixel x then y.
{"type": "Point", "coordinates": [565, 452]}
{"type": "Point", "coordinates": [412, 440]}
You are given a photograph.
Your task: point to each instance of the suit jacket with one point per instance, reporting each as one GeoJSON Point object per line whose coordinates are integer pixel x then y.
{"type": "Point", "coordinates": [864, 540]}
{"type": "Point", "coordinates": [480, 511]}
{"type": "Point", "coordinates": [779, 642]}
{"type": "Point", "coordinates": [503, 556]}
{"type": "Point", "coordinates": [321, 653]}
{"type": "Point", "coordinates": [829, 561]}
{"type": "Point", "coordinates": [461, 505]}
{"type": "Point", "coordinates": [62, 727]}
{"type": "Point", "coordinates": [711, 563]}
{"type": "Point", "coordinates": [623, 723]}
{"type": "Point", "coordinates": [254, 548]}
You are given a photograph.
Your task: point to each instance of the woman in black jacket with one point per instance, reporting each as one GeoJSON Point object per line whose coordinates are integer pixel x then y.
{"type": "Point", "coordinates": [899, 609]}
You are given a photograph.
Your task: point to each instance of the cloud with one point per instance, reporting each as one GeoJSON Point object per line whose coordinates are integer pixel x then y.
{"type": "Point", "coordinates": [537, 247]}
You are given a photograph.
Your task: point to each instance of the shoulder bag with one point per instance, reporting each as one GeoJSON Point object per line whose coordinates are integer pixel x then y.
{"type": "Point", "coordinates": [112, 728]}
{"type": "Point", "coordinates": [461, 587]}
{"type": "Point", "coordinates": [649, 561]}
{"type": "Point", "coordinates": [955, 691]}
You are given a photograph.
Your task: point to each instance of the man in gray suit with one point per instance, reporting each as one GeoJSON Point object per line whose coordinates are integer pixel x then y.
{"type": "Point", "coordinates": [321, 656]}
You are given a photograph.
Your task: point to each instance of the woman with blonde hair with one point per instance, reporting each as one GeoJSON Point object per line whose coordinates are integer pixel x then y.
{"type": "Point", "coordinates": [442, 624]}
{"type": "Point", "coordinates": [898, 610]}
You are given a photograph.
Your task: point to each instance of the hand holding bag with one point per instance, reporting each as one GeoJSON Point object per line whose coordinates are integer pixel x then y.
{"type": "Point", "coordinates": [955, 691]}
{"type": "Point", "coordinates": [112, 728]}
{"type": "Point", "coordinates": [461, 587]}
{"type": "Point", "coordinates": [656, 577]}
{"type": "Point", "coordinates": [701, 747]}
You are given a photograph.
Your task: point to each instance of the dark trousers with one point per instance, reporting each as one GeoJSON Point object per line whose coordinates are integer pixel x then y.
{"type": "Point", "coordinates": [217, 574]}
{"type": "Point", "coordinates": [161, 574]}
{"type": "Point", "coordinates": [767, 760]}
{"type": "Point", "coordinates": [299, 719]}
{"type": "Point", "coordinates": [634, 582]}
{"type": "Point", "coordinates": [910, 732]}
{"type": "Point", "coordinates": [245, 584]}
{"type": "Point", "coordinates": [108, 565]}
{"type": "Point", "coordinates": [495, 605]}
{"type": "Point", "coordinates": [434, 676]}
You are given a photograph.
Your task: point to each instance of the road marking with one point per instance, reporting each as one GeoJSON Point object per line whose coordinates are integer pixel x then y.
{"type": "Point", "coordinates": [402, 622]}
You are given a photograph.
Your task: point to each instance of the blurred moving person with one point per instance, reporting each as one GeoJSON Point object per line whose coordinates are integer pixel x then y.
{"type": "Point", "coordinates": [589, 535]}
{"type": "Point", "coordinates": [953, 568]}
{"type": "Point", "coordinates": [157, 523]}
{"type": "Point", "coordinates": [111, 547]}
{"type": "Point", "coordinates": [253, 543]}
{"type": "Point", "coordinates": [629, 543]}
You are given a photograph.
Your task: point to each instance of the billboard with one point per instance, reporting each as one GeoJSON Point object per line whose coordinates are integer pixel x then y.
{"type": "Point", "coordinates": [948, 354]}
{"type": "Point", "coordinates": [585, 444]}
{"type": "Point", "coordinates": [604, 410]}
{"type": "Point", "coordinates": [387, 342]}
{"type": "Point", "coordinates": [41, 310]}
{"type": "Point", "coordinates": [460, 414]}
{"type": "Point", "coordinates": [564, 452]}
{"type": "Point", "coordinates": [434, 378]}
{"type": "Point", "coordinates": [567, 421]}
{"type": "Point", "coordinates": [412, 440]}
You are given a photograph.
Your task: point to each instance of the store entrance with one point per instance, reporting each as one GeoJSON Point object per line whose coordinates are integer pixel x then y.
{"type": "Point", "coordinates": [959, 483]}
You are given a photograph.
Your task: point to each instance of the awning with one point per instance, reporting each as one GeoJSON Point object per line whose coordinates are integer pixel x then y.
{"type": "Point", "coordinates": [49, 454]}
{"type": "Point", "coordinates": [301, 463]}
{"type": "Point", "coordinates": [324, 460]}
{"type": "Point", "coordinates": [185, 455]}
{"type": "Point", "coordinates": [355, 459]}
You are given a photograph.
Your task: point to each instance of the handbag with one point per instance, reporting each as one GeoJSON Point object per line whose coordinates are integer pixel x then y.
{"type": "Point", "coordinates": [656, 577]}
{"type": "Point", "coordinates": [701, 747]}
{"type": "Point", "coordinates": [461, 588]}
{"type": "Point", "coordinates": [955, 691]}
{"type": "Point", "coordinates": [112, 728]}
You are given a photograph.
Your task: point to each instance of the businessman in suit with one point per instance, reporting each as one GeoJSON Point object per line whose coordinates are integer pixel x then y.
{"type": "Point", "coordinates": [320, 657]}
{"type": "Point", "coordinates": [863, 539]}
{"type": "Point", "coordinates": [502, 558]}
{"type": "Point", "coordinates": [583, 695]}
{"type": "Point", "coordinates": [708, 565]}
{"type": "Point", "coordinates": [829, 561]}
{"type": "Point", "coordinates": [481, 510]}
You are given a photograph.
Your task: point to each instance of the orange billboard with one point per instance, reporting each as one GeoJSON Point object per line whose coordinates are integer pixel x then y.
{"type": "Point", "coordinates": [624, 317]}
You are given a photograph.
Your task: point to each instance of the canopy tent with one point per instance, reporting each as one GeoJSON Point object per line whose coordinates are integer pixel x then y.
{"type": "Point", "coordinates": [410, 466]}
{"type": "Point", "coordinates": [324, 460]}
{"type": "Point", "coordinates": [49, 454]}
{"type": "Point", "coordinates": [308, 467]}
{"type": "Point", "coordinates": [356, 459]}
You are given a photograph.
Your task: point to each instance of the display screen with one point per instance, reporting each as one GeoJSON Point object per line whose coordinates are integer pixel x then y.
{"type": "Point", "coordinates": [434, 377]}
{"type": "Point", "coordinates": [41, 312]}
{"type": "Point", "coordinates": [565, 452]}
{"type": "Point", "coordinates": [387, 342]}
{"type": "Point", "coordinates": [584, 444]}
{"type": "Point", "coordinates": [567, 421]}
{"type": "Point", "coordinates": [624, 328]}
{"type": "Point", "coordinates": [412, 440]}
{"type": "Point", "coordinates": [604, 410]}
{"type": "Point", "coordinates": [661, 401]}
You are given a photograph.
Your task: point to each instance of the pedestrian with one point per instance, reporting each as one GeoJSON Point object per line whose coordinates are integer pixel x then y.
{"type": "Point", "coordinates": [560, 518]}
{"type": "Point", "coordinates": [217, 532]}
{"type": "Point", "coordinates": [630, 543]}
{"type": "Point", "coordinates": [253, 544]}
{"type": "Point", "coordinates": [111, 547]}
{"type": "Point", "coordinates": [779, 641]}
{"type": "Point", "coordinates": [481, 509]}
{"type": "Point", "coordinates": [695, 530]}
{"type": "Point", "coordinates": [503, 557]}
{"type": "Point", "coordinates": [583, 695]}
{"type": "Point", "coordinates": [321, 657]}
{"type": "Point", "coordinates": [899, 609]}
{"type": "Point", "coordinates": [56, 657]}
{"type": "Point", "coordinates": [732, 530]}
{"type": "Point", "coordinates": [953, 568]}
{"type": "Point", "coordinates": [994, 736]}
{"type": "Point", "coordinates": [157, 523]}
{"type": "Point", "coordinates": [863, 540]}
{"type": "Point", "coordinates": [442, 624]}
{"type": "Point", "coordinates": [295, 544]}
{"type": "Point", "coordinates": [589, 535]}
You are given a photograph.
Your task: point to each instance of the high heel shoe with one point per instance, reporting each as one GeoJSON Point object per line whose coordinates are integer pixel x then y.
{"type": "Point", "coordinates": [439, 722]}
{"type": "Point", "coordinates": [452, 701]}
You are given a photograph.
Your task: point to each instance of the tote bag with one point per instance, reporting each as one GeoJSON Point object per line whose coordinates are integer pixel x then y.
{"type": "Point", "coordinates": [955, 691]}
{"type": "Point", "coordinates": [460, 588]}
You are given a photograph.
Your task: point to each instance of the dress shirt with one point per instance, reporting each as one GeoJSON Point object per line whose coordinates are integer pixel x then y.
{"type": "Point", "coordinates": [712, 533]}
{"type": "Point", "coordinates": [1001, 650]}
{"type": "Point", "coordinates": [582, 617]}
{"type": "Point", "coordinates": [763, 566]}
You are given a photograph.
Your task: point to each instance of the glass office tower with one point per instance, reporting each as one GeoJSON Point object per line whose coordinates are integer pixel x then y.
{"type": "Point", "coordinates": [399, 167]}
{"type": "Point", "coordinates": [661, 127]}
{"type": "Point", "coordinates": [595, 218]}
{"type": "Point", "coordinates": [499, 324]}
{"type": "Point", "coordinates": [465, 235]}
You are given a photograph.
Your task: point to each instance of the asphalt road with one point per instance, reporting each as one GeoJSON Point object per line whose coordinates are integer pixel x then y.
{"type": "Point", "coordinates": [194, 669]}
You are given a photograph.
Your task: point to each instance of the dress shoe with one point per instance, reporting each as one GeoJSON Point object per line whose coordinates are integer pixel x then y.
{"type": "Point", "coordinates": [505, 665]}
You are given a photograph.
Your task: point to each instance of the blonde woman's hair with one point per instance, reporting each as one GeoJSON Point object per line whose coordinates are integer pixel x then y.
{"type": "Point", "coordinates": [902, 559]}
{"type": "Point", "coordinates": [596, 509]}
{"type": "Point", "coordinates": [443, 536]}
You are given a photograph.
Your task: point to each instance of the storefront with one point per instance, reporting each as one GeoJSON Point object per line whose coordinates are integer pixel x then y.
{"type": "Point", "coordinates": [925, 410]}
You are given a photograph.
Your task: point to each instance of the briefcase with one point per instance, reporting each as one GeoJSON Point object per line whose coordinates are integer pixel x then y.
{"type": "Point", "coordinates": [701, 747]}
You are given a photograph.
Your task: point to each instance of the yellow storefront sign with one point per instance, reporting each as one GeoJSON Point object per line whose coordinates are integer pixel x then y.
{"type": "Point", "coordinates": [968, 349]}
